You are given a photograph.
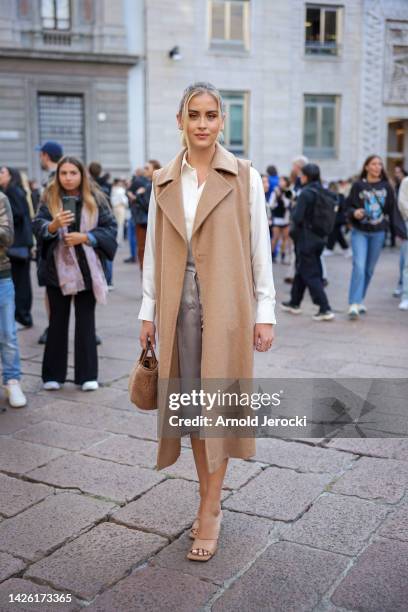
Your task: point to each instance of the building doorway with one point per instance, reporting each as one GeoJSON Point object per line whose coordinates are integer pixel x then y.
{"type": "Point", "coordinates": [397, 144]}
{"type": "Point", "coordinates": [61, 118]}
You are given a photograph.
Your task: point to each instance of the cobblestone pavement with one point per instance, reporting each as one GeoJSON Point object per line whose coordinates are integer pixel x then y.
{"type": "Point", "coordinates": [314, 524]}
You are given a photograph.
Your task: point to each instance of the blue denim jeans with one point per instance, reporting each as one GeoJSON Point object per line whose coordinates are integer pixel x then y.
{"type": "Point", "coordinates": [132, 238]}
{"type": "Point", "coordinates": [404, 257]}
{"type": "Point", "coordinates": [10, 355]}
{"type": "Point", "coordinates": [109, 272]}
{"type": "Point", "coordinates": [402, 260]}
{"type": "Point", "coordinates": [366, 247]}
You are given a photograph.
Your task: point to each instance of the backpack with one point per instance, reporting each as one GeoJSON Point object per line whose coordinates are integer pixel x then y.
{"type": "Point", "coordinates": [323, 213]}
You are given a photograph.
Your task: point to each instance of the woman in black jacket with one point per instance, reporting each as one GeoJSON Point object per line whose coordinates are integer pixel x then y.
{"type": "Point", "coordinates": [74, 249]}
{"type": "Point", "coordinates": [19, 252]}
{"type": "Point", "coordinates": [369, 208]}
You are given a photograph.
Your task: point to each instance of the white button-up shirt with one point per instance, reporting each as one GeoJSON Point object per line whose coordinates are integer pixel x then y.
{"type": "Point", "coordinates": [261, 257]}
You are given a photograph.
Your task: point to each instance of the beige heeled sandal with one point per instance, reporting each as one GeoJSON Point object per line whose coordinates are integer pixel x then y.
{"type": "Point", "coordinates": [194, 528]}
{"type": "Point", "coordinates": [205, 548]}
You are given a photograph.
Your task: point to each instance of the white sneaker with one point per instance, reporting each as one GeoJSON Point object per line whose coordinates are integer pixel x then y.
{"type": "Point", "coordinates": [362, 309]}
{"type": "Point", "coordinates": [327, 252]}
{"type": "Point", "coordinates": [288, 307]}
{"type": "Point", "coordinates": [348, 253]}
{"type": "Point", "coordinates": [328, 315]}
{"type": "Point", "coordinates": [403, 305]}
{"type": "Point", "coordinates": [90, 385]}
{"type": "Point", "coordinates": [397, 292]}
{"type": "Point", "coordinates": [51, 385]}
{"type": "Point", "coordinates": [15, 395]}
{"type": "Point", "coordinates": [353, 312]}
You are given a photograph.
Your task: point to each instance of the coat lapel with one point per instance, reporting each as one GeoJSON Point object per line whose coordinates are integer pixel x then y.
{"type": "Point", "coordinates": [216, 188]}
{"type": "Point", "coordinates": [170, 201]}
{"type": "Point", "coordinates": [170, 195]}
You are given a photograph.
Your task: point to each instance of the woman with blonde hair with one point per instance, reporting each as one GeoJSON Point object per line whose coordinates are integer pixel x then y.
{"type": "Point", "coordinates": [207, 282]}
{"type": "Point", "coordinates": [77, 233]}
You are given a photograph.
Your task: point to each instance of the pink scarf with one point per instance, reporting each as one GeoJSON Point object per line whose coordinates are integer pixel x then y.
{"type": "Point", "coordinates": [69, 273]}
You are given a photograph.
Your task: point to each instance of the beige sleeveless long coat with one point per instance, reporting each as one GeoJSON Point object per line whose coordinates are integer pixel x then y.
{"type": "Point", "coordinates": [220, 245]}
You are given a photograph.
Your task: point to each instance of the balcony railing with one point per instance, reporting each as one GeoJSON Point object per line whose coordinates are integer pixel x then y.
{"type": "Point", "coordinates": [316, 47]}
{"type": "Point", "coordinates": [56, 38]}
{"type": "Point", "coordinates": [320, 152]}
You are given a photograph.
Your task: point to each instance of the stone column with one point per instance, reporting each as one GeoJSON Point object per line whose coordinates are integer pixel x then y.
{"type": "Point", "coordinates": [9, 35]}
{"type": "Point", "coordinates": [110, 33]}
{"type": "Point", "coordinates": [405, 148]}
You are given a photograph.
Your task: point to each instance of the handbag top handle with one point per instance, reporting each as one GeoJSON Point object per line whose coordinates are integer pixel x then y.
{"type": "Point", "coordinates": [145, 351]}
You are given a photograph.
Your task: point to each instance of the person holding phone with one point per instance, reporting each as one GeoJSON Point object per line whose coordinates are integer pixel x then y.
{"type": "Point", "coordinates": [77, 231]}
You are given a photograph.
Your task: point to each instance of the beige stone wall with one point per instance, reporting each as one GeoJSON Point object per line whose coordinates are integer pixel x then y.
{"type": "Point", "coordinates": [385, 73]}
{"type": "Point", "coordinates": [95, 64]}
{"type": "Point", "coordinates": [275, 72]}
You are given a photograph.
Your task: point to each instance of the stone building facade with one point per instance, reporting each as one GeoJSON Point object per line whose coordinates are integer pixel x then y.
{"type": "Point", "coordinates": [328, 79]}
{"type": "Point", "coordinates": [64, 75]}
{"type": "Point", "coordinates": [384, 81]}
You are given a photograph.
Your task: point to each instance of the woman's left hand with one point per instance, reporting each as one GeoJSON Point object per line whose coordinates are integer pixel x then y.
{"type": "Point", "coordinates": [263, 336]}
{"type": "Point", "coordinates": [74, 238]}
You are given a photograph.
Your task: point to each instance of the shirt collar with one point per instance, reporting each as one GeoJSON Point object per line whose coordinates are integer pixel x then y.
{"type": "Point", "coordinates": [222, 160]}
{"type": "Point", "coordinates": [185, 165]}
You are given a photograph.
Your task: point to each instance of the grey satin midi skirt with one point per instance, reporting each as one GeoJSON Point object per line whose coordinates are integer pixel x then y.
{"type": "Point", "coordinates": [189, 343]}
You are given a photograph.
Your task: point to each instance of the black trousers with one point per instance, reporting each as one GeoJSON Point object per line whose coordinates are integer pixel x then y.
{"type": "Point", "coordinates": [337, 236]}
{"type": "Point", "coordinates": [309, 275]}
{"type": "Point", "coordinates": [55, 360]}
{"type": "Point", "coordinates": [20, 272]}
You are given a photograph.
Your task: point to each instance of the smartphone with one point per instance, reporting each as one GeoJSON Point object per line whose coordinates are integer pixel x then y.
{"type": "Point", "coordinates": [69, 203]}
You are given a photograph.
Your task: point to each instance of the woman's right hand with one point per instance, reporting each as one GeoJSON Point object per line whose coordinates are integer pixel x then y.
{"type": "Point", "coordinates": [359, 214]}
{"type": "Point", "coordinates": [62, 219]}
{"type": "Point", "coordinates": [148, 331]}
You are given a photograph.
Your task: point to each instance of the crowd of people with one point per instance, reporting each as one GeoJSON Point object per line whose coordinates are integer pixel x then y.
{"type": "Point", "coordinates": [72, 224]}
{"type": "Point", "coordinates": [364, 214]}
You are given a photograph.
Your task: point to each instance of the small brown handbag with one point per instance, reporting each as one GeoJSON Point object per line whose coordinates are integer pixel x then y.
{"type": "Point", "coordinates": [143, 380]}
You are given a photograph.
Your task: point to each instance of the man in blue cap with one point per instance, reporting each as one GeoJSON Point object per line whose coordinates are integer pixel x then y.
{"type": "Point", "coordinates": [50, 154]}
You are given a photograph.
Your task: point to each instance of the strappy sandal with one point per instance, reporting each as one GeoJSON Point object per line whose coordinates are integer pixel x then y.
{"type": "Point", "coordinates": [194, 528]}
{"type": "Point", "coordinates": [205, 548]}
